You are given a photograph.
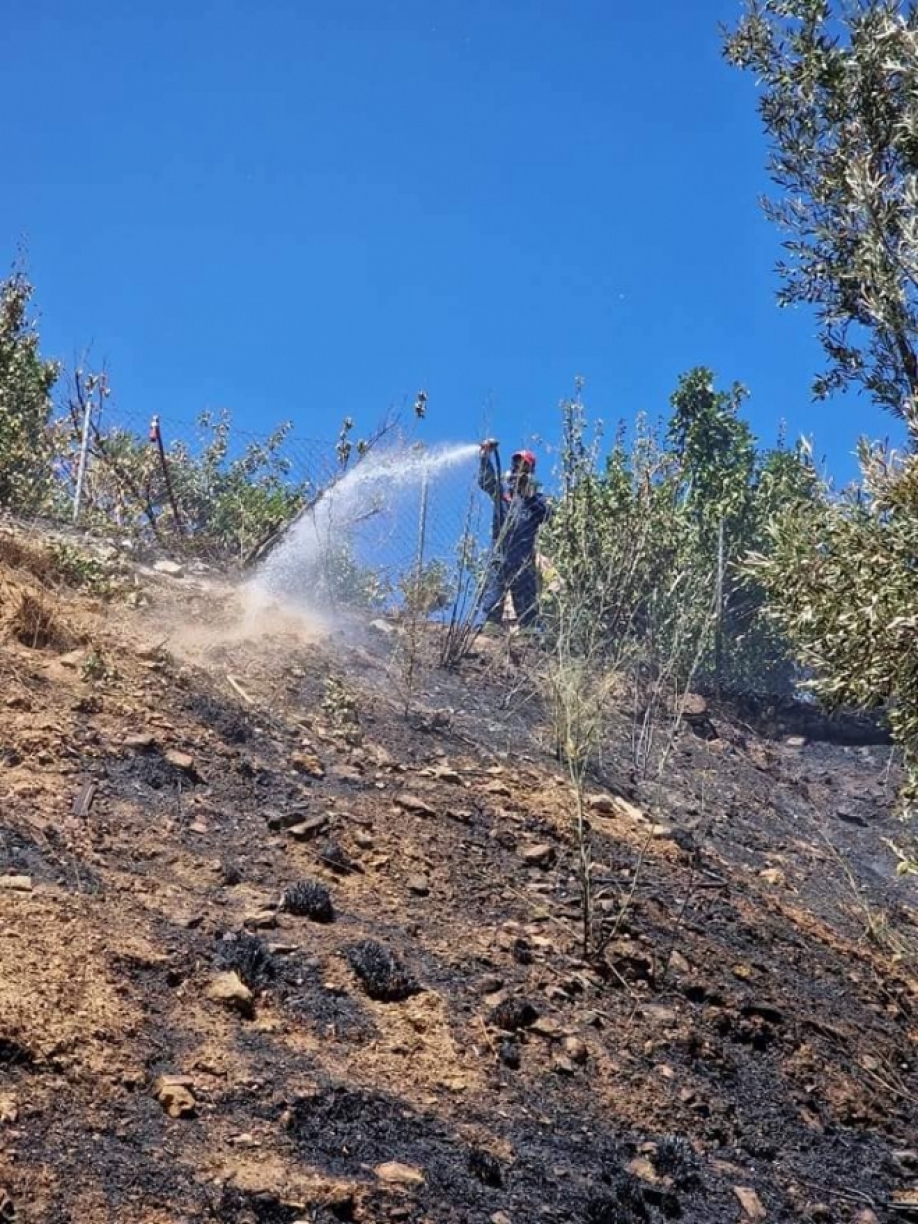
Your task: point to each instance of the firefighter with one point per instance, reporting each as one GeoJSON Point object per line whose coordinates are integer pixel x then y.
{"type": "Point", "coordinates": [519, 511]}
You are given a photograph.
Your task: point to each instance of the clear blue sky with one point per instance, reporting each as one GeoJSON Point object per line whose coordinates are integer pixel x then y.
{"type": "Point", "coordinates": [311, 208]}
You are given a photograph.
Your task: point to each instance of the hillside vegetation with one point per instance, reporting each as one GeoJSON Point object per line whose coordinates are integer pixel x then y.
{"type": "Point", "coordinates": [273, 950]}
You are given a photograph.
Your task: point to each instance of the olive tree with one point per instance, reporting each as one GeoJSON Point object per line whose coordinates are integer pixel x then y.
{"type": "Point", "coordinates": [839, 105]}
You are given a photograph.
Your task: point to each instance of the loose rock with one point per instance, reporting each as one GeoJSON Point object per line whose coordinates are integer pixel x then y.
{"type": "Point", "coordinates": [174, 1094]}
{"type": "Point", "coordinates": [140, 742]}
{"type": "Point", "coordinates": [576, 1050]}
{"type": "Point", "coordinates": [307, 763]}
{"type": "Point", "coordinates": [414, 803]}
{"type": "Point", "coordinates": [230, 990]}
{"type": "Point", "coordinates": [539, 855]}
{"type": "Point", "coordinates": [751, 1203]}
{"type": "Point", "coordinates": [16, 883]}
{"type": "Point", "coordinates": [179, 760]}
{"type": "Point", "coordinates": [396, 1173]}
{"type": "Point", "coordinates": [419, 885]}
{"type": "Point", "coordinates": [306, 830]}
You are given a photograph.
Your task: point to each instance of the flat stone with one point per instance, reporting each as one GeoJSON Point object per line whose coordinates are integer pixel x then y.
{"type": "Point", "coordinates": [350, 775]}
{"type": "Point", "coordinates": [601, 803]}
{"type": "Point", "coordinates": [750, 1202]}
{"type": "Point", "coordinates": [500, 789]}
{"type": "Point", "coordinates": [539, 855]}
{"type": "Point", "coordinates": [547, 1026]}
{"type": "Point", "coordinates": [615, 805]}
{"type": "Point", "coordinates": [180, 760]}
{"type": "Point", "coordinates": [307, 763]}
{"type": "Point", "coordinates": [446, 774]}
{"type": "Point", "coordinates": [278, 819]}
{"type": "Point", "coordinates": [419, 885]}
{"type": "Point", "coordinates": [363, 840]}
{"type": "Point", "coordinates": [659, 1013]}
{"type": "Point", "coordinates": [16, 883]}
{"type": "Point", "coordinates": [306, 830]}
{"type": "Point", "coordinates": [396, 1173]}
{"type": "Point", "coordinates": [171, 568]}
{"type": "Point", "coordinates": [229, 990]}
{"type": "Point", "coordinates": [413, 803]}
{"type": "Point", "coordinates": [139, 742]}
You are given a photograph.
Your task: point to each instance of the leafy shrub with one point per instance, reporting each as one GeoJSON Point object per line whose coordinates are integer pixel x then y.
{"type": "Point", "coordinates": [26, 381]}
{"type": "Point", "coordinates": [840, 576]}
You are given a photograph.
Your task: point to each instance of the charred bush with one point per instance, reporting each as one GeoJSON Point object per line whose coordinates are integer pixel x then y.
{"type": "Point", "coordinates": [230, 725]}
{"type": "Point", "coordinates": [522, 952]}
{"type": "Point", "coordinates": [230, 874]}
{"type": "Point", "coordinates": [484, 1167]}
{"type": "Point", "coordinates": [244, 1207]}
{"type": "Point", "coordinates": [510, 1054]}
{"type": "Point", "coordinates": [676, 1159]}
{"type": "Point", "coordinates": [12, 1054]}
{"type": "Point", "coordinates": [337, 859]}
{"type": "Point", "coordinates": [511, 1015]}
{"type": "Point", "coordinates": [248, 956]}
{"type": "Point", "coordinates": [309, 899]}
{"type": "Point", "coordinates": [622, 1203]}
{"type": "Point", "coordinates": [381, 973]}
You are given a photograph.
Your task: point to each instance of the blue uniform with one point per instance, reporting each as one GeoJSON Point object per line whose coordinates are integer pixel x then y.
{"type": "Point", "coordinates": [511, 566]}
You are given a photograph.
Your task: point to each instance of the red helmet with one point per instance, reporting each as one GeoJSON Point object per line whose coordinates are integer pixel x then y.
{"type": "Point", "coordinates": [523, 458]}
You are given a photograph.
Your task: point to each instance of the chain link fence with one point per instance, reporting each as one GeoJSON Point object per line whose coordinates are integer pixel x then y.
{"type": "Point", "coordinates": [393, 513]}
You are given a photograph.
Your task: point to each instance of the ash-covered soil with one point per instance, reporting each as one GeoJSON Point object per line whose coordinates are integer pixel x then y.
{"type": "Point", "coordinates": [290, 931]}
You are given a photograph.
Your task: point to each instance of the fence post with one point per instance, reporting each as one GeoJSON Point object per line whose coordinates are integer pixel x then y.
{"type": "Point", "coordinates": [157, 438]}
{"type": "Point", "coordinates": [719, 613]}
{"type": "Point", "coordinates": [422, 532]}
{"type": "Point", "coordinates": [81, 467]}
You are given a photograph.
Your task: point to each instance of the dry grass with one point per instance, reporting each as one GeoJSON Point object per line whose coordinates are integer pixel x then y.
{"type": "Point", "coordinates": [35, 622]}
{"type": "Point", "coordinates": [23, 558]}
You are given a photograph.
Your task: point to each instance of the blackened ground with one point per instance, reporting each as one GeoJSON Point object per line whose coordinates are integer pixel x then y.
{"type": "Point", "coordinates": [750, 1025]}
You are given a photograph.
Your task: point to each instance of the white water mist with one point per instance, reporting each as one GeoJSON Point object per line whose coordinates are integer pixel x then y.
{"type": "Point", "coordinates": [384, 485]}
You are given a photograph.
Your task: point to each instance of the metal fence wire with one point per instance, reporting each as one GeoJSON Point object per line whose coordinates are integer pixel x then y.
{"type": "Point", "coordinates": [403, 508]}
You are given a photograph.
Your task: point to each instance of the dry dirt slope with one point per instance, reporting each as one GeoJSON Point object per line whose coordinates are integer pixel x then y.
{"type": "Point", "coordinates": [177, 1046]}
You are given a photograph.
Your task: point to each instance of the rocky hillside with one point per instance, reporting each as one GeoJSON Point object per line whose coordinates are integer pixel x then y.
{"type": "Point", "coordinates": [273, 949]}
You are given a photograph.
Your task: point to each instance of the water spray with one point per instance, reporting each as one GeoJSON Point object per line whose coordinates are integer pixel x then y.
{"type": "Point", "coordinates": [297, 564]}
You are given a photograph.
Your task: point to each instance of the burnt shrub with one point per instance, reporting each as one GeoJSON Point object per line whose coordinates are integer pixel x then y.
{"type": "Point", "coordinates": [248, 956]}
{"type": "Point", "coordinates": [485, 1167]}
{"type": "Point", "coordinates": [514, 1014]}
{"type": "Point", "coordinates": [381, 973]}
{"type": "Point", "coordinates": [309, 899]}
{"type": "Point", "coordinates": [676, 1159]}
{"type": "Point", "coordinates": [622, 1203]}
